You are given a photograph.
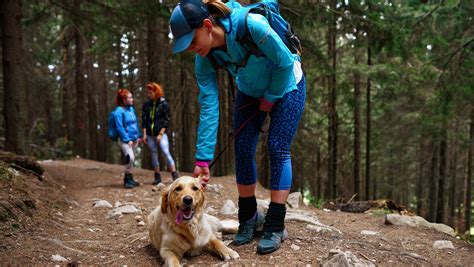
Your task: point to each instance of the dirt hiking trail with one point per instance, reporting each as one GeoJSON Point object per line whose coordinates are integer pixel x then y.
{"type": "Point", "coordinates": [53, 222]}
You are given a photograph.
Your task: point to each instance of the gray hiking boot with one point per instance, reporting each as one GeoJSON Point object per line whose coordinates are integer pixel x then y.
{"type": "Point", "coordinates": [247, 229]}
{"type": "Point", "coordinates": [271, 241]}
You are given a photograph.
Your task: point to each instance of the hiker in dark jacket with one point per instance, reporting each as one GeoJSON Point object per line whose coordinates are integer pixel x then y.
{"type": "Point", "coordinates": [129, 134]}
{"type": "Point", "coordinates": [272, 83]}
{"type": "Point", "coordinates": [155, 122]}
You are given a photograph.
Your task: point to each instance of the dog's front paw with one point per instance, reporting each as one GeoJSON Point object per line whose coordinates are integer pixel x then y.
{"type": "Point", "coordinates": [229, 254]}
{"type": "Point", "coordinates": [233, 255]}
{"type": "Point", "coordinates": [218, 248]}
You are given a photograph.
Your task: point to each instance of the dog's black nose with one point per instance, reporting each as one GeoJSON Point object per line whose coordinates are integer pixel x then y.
{"type": "Point", "coordinates": [188, 200]}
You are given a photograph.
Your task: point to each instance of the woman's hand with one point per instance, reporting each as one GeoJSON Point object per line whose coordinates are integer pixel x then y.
{"type": "Point", "coordinates": [158, 138]}
{"type": "Point", "coordinates": [203, 174]}
{"type": "Point", "coordinates": [130, 143]}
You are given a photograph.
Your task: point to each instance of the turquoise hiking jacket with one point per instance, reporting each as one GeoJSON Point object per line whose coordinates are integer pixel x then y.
{"type": "Point", "coordinates": [127, 124]}
{"type": "Point", "coordinates": [270, 76]}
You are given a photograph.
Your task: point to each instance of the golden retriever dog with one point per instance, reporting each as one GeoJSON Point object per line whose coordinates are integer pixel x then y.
{"type": "Point", "coordinates": [179, 226]}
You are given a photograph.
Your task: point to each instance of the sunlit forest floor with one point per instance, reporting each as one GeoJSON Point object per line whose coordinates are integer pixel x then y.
{"type": "Point", "coordinates": [63, 222]}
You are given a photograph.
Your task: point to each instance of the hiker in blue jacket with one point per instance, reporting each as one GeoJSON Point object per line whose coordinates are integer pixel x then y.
{"type": "Point", "coordinates": [129, 133]}
{"type": "Point", "coordinates": [272, 83]}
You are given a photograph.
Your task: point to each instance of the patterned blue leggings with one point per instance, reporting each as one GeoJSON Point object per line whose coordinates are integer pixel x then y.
{"type": "Point", "coordinates": [285, 116]}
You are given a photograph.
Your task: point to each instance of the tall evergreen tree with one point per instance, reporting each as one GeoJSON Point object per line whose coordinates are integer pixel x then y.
{"type": "Point", "coordinates": [14, 98]}
{"type": "Point", "coordinates": [80, 108]}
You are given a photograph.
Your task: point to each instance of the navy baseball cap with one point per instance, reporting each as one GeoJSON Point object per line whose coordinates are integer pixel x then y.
{"type": "Point", "coordinates": [185, 18]}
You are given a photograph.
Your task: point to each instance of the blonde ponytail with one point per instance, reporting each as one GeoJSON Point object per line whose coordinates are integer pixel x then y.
{"type": "Point", "coordinates": [217, 9]}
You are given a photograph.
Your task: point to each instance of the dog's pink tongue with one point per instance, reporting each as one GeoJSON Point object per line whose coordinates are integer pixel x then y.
{"type": "Point", "coordinates": [179, 217]}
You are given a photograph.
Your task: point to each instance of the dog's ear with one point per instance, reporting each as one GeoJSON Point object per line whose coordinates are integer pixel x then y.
{"type": "Point", "coordinates": [164, 202]}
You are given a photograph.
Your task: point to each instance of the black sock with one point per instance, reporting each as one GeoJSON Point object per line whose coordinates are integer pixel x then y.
{"type": "Point", "coordinates": [157, 176]}
{"type": "Point", "coordinates": [174, 175]}
{"type": "Point", "coordinates": [247, 208]}
{"type": "Point", "coordinates": [275, 218]}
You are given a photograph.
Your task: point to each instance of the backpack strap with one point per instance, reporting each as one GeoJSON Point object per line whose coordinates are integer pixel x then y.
{"type": "Point", "coordinates": [243, 35]}
{"type": "Point", "coordinates": [213, 61]}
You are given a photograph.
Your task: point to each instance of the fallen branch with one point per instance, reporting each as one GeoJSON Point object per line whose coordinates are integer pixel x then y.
{"type": "Point", "coordinates": [365, 257]}
{"type": "Point", "coordinates": [22, 162]}
{"type": "Point", "coordinates": [136, 239]}
{"type": "Point", "coordinates": [78, 220]}
{"type": "Point", "coordinates": [84, 241]}
{"type": "Point", "coordinates": [108, 263]}
{"type": "Point", "coordinates": [415, 256]}
{"type": "Point", "coordinates": [60, 243]}
{"type": "Point", "coordinates": [18, 167]}
{"type": "Point", "coordinates": [134, 235]}
{"type": "Point", "coordinates": [362, 206]}
{"type": "Point", "coordinates": [352, 198]}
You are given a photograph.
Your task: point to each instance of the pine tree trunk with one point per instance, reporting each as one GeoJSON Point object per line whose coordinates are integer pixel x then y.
{"type": "Point", "coordinates": [389, 172]}
{"type": "Point", "coordinates": [433, 201]}
{"type": "Point", "coordinates": [332, 113]}
{"type": "Point", "coordinates": [440, 215]}
{"type": "Point", "coordinates": [153, 58]}
{"type": "Point", "coordinates": [131, 75]}
{"type": "Point", "coordinates": [368, 180]}
{"type": "Point", "coordinates": [152, 51]}
{"type": "Point", "coordinates": [66, 88]}
{"type": "Point", "coordinates": [163, 53]}
{"type": "Point", "coordinates": [14, 93]}
{"type": "Point", "coordinates": [420, 184]}
{"type": "Point", "coordinates": [188, 110]}
{"type": "Point", "coordinates": [103, 110]}
{"type": "Point", "coordinates": [319, 176]}
{"type": "Point", "coordinates": [92, 109]}
{"type": "Point", "coordinates": [453, 205]}
{"type": "Point", "coordinates": [468, 179]}
{"type": "Point", "coordinates": [118, 54]}
{"type": "Point", "coordinates": [222, 133]}
{"type": "Point", "coordinates": [375, 182]}
{"type": "Point", "coordinates": [49, 118]}
{"type": "Point", "coordinates": [143, 80]}
{"type": "Point", "coordinates": [171, 96]}
{"type": "Point", "coordinates": [357, 187]}
{"type": "Point", "coordinates": [80, 110]}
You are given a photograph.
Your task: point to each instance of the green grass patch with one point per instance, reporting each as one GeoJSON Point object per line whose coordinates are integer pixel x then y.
{"type": "Point", "coordinates": [5, 172]}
